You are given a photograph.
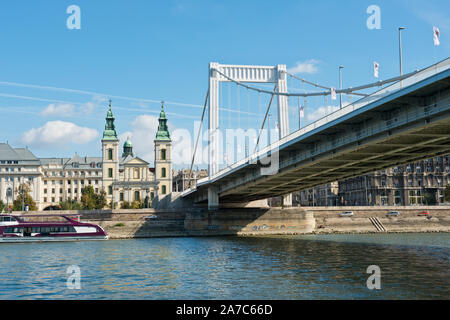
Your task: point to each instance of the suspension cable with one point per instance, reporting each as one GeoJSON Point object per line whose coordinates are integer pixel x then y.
{"type": "Point", "coordinates": [323, 93]}
{"type": "Point", "coordinates": [265, 117]}
{"type": "Point", "coordinates": [198, 136]}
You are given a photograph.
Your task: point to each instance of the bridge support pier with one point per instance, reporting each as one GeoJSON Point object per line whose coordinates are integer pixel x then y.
{"type": "Point", "coordinates": [213, 198]}
{"type": "Point", "coordinates": [287, 200]}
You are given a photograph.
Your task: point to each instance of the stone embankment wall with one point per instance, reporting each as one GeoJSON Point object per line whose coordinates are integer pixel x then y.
{"type": "Point", "coordinates": [329, 221]}
{"type": "Point", "coordinates": [120, 224]}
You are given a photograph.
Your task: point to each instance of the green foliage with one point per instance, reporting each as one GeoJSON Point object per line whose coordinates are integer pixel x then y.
{"type": "Point", "coordinates": [116, 205]}
{"type": "Point", "coordinates": [429, 198]}
{"type": "Point", "coordinates": [23, 191]}
{"type": "Point", "coordinates": [137, 205]}
{"type": "Point", "coordinates": [91, 200]}
{"type": "Point", "coordinates": [2, 206]}
{"type": "Point", "coordinates": [447, 193]}
{"type": "Point", "coordinates": [125, 205]}
{"type": "Point", "coordinates": [120, 224]}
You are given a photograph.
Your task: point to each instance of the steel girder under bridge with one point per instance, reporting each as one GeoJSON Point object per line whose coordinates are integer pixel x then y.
{"type": "Point", "coordinates": [405, 122]}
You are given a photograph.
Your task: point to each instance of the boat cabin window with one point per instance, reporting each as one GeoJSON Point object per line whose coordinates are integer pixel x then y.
{"type": "Point", "coordinates": [53, 229]}
{"type": "Point", "coordinates": [7, 219]}
{"type": "Point", "coordinates": [13, 230]}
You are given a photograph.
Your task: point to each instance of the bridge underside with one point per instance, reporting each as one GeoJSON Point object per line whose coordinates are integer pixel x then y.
{"type": "Point", "coordinates": [411, 127]}
{"type": "Point", "coordinates": [434, 140]}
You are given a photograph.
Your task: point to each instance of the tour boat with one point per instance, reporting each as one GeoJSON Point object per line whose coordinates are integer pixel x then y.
{"type": "Point", "coordinates": [24, 229]}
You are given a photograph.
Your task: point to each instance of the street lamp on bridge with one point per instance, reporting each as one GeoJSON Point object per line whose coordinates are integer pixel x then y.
{"type": "Point", "coordinates": [340, 87]}
{"type": "Point", "coordinates": [400, 47]}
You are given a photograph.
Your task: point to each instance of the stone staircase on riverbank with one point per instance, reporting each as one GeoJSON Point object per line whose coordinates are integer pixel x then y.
{"type": "Point", "coordinates": [377, 224]}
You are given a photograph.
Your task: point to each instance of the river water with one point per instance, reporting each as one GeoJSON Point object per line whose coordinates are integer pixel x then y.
{"type": "Point", "coordinates": [413, 266]}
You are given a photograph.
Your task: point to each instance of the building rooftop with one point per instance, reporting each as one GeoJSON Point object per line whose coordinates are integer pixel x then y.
{"type": "Point", "coordinates": [15, 154]}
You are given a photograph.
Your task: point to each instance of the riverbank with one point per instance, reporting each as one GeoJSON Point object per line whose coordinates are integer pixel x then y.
{"type": "Point", "coordinates": [148, 223]}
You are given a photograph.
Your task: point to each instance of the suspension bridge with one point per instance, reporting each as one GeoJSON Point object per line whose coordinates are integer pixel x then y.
{"type": "Point", "coordinates": [248, 159]}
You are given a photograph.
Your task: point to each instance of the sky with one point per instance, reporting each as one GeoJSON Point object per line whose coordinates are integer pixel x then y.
{"type": "Point", "coordinates": [55, 82]}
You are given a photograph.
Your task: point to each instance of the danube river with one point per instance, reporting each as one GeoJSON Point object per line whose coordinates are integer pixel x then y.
{"type": "Point", "coordinates": [413, 266]}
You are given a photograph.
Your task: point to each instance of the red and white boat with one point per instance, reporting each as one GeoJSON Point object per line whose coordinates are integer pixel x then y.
{"type": "Point", "coordinates": [27, 229]}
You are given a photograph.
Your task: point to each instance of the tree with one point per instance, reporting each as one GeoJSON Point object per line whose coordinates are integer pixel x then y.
{"type": "Point", "coordinates": [91, 200]}
{"type": "Point", "coordinates": [88, 198]}
{"type": "Point", "coordinates": [429, 198]}
{"type": "Point", "coordinates": [447, 193]}
{"type": "Point", "coordinates": [100, 200]}
{"type": "Point", "coordinates": [125, 205]}
{"type": "Point", "coordinates": [2, 206]}
{"type": "Point", "coordinates": [137, 205]}
{"type": "Point", "coordinates": [23, 191]}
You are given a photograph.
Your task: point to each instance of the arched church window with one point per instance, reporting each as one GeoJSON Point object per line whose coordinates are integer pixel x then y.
{"type": "Point", "coordinates": [163, 172]}
{"type": "Point", "coordinates": [163, 154]}
{"type": "Point", "coordinates": [110, 154]}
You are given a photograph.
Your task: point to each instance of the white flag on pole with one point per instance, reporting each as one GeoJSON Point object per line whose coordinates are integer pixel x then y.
{"type": "Point", "coordinates": [302, 113]}
{"type": "Point", "coordinates": [333, 93]}
{"type": "Point", "coordinates": [375, 69]}
{"type": "Point", "coordinates": [277, 127]}
{"type": "Point", "coordinates": [436, 35]}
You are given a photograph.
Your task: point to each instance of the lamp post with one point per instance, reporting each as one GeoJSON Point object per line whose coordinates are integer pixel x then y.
{"type": "Point", "coordinates": [340, 87]}
{"type": "Point", "coordinates": [400, 48]}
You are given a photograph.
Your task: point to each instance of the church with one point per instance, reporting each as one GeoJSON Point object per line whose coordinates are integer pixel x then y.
{"type": "Point", "coordinates": [120, 173]}
{"type": "Point", "coordinates": [127, 177]}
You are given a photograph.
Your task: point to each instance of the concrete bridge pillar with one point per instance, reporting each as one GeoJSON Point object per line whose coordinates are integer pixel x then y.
{"type": "Point", "coordinates": [287, 200]}
{"type": "Point", "coordinates": [213, 198]}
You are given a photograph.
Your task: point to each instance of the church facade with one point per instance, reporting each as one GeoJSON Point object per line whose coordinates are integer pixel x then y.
{"type": "Point", "coordinates": [119, 172]}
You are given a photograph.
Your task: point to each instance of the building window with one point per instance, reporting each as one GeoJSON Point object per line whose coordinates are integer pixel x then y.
{"type": "Point", "coordinates": [45, 190]}
{"type": "Point", "coordinates": [110, 154]}
{"type": "Point", "coordinates": [137, 196]}
{"type": "Point", "coordinates": [45, 182]}
{"type": "Point", "coordinates": [110, 172]}
{"type": "Point", "coordinates": [109, 190]}
{"type": "Point", "coordinates": [53, 190]}
{"type": "Point", "coordinates": [163, 190]}
{"type": "Point", "coordinates": [121, 196]}
{"type": "Point", "coordinates": [163, 172]}
{"type": "Point", "coordinates": [45, 199]}
{"type": "Point", "coordinates": [163, 154]}
{"type": "Point", "coordinates": [136, 174]}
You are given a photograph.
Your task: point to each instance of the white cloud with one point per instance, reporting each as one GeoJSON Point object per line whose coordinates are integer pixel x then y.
{"type": "Point", "coordinates": [59, 109]}
{"type": "Point", "coordinates": [319, 113]}
{"type": "Point", "coordinates": [308, 66]}
{"type": "Point", "coordinates": [58, 133]}
{"type": "Point", "coordinates": [322, 111]}
{"type": "Point", "coordinates": [142, 133]}
{"type": "Point", "coordinates": [69, 109]}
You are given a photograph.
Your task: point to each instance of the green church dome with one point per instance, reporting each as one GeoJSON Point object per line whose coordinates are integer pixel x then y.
{"type": "Point", "coordinates": [128, 143]}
